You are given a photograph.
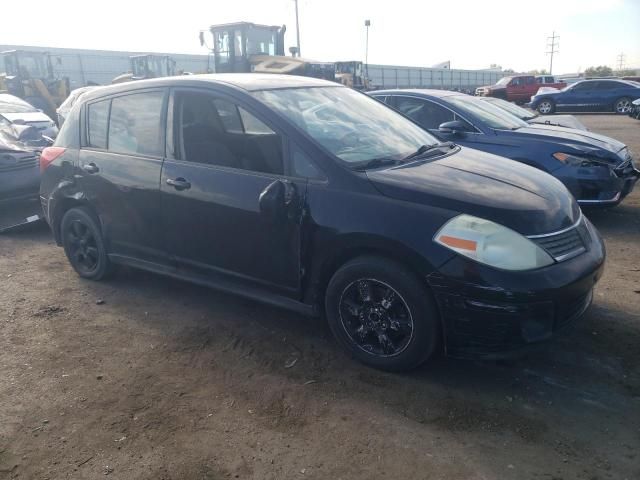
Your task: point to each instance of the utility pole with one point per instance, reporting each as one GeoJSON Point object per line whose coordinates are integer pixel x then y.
{"type": "Point", "coordinates": [620, 62]}
{"type": "Point", "coordinates": [552, 44]}
{"type": "Point", "coordinates": [297, 28]}
{"type": "Point", "coordinates": [367, 24]}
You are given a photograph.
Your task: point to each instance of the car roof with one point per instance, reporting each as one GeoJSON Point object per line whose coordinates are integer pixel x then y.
{"type": "Point", "coordinates": [420, 91]}
{"type": "Point", "coordinates": [245, 81]}
{"type": "Point", "coordinates": [613, 79]}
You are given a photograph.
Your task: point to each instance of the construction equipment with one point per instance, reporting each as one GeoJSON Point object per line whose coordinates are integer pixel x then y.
{"type": "Point", "coordinates": [244, 47]}
{"type": "Point", "coordinates": [148, 66]}
{"type": "Point", "coordinates": [29, 75]}
{"type": "Point", "coordinates": [351, 74]}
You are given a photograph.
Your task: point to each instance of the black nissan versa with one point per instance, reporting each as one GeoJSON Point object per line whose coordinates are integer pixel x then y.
{"type": "Point", "coordinates": [308, 195]}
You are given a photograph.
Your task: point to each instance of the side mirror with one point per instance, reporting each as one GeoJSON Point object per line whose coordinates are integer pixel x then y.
{"type": "Point", "coordinates": [455, 127]}
{"type": "Point", "coordinates": [275, 199]}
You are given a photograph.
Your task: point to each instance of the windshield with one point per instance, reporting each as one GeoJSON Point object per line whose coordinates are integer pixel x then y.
{"type": "Point", "coordinates": [32, 65]}
{"type": "Point", "coordinates": [512, 108]}
{"type": "Point", "coordinates": [260, 41]}
{"type": "Point", "coordinates": [503, 81]}
{"type": "Point", "coordinates": [490, 115]}
{"type": "Point", "coordinates": [352, 126]}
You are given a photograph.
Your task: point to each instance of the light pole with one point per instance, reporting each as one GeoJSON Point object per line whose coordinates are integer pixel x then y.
{"type": "Point", "coordinates": [297, 28]}
{"type": "Point", "coordinates": [367, 24]}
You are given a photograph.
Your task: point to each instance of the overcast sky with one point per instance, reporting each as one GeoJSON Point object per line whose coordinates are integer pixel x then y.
{"type": "Point", "coordinates": [471, 33]}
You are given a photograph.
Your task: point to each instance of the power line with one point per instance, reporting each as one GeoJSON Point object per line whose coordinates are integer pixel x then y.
{"type": "Point", "coordinates": [621, 61]}
{"type": "Point", "coordinates": [552, 45]}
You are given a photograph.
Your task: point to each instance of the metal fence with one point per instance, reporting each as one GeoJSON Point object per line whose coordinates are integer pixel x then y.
{"type": "Point", "coordinates": [391, 76]}
{"type": "Point", "coordinates": [101, 66]}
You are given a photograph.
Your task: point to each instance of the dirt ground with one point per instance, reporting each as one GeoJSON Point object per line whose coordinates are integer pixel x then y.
{"type": "Point", "coordinates": [144, 377]}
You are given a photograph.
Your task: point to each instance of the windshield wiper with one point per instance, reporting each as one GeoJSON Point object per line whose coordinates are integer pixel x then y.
{"type": "Point", "coordinates": [376, 163]}
{"type": "Point", "coordinates": [424, 149]}
{"type": "Point", "coordinates": [419, 153]}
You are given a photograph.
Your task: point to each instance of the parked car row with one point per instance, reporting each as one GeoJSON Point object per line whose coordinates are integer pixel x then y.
{"type": "Point", "coordinates": [298, 192]}
{"type": "Point", "coordinates": [597, 170]}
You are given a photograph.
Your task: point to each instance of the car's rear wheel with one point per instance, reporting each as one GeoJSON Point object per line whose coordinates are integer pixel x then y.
{"type": "Point", "coordinates": [381, 313]}
{"type": "Point", "coordinates": [622, 105]}
{"type": "Point", "coordinates": [83, 244]}
{"type": "Point", "coordinates": [546, 107]}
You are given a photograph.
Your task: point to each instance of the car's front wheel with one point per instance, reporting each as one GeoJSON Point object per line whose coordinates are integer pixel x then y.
{"type": "Point", "coordinates": [546, 107]}
{"type": "Point", "coordinates": [622, 105]}
{"type": "Point", "coordinates": [83, 244]}
{"type": "Point", "coordinates": [382, 314]}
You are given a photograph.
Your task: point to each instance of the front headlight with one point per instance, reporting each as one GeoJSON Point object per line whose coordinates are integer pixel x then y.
{"type": "Point", "coordinates": [492, 244]}
{"type": "Point", "coordinates": [580, 161]}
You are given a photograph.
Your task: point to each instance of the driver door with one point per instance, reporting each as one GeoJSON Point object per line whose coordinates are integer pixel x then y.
{"type": "Point", "coordinates": [225, 159]}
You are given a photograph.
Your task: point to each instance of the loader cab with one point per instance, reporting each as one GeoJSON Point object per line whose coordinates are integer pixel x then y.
{"type": "Point", "coordinates": [27, 65]}
{"type": "Point", "coordinates": [152, 66]}
{"type": "Point", "coordinates": [29, 75]}
{"type": "Point", "coordinates": [352, 74]}
{"type": "Point", "coordinates": [235, 44]}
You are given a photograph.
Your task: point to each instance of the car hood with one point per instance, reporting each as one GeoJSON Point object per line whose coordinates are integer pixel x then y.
{"type": "Point", "coordinates": [574, 141]}
{"type": "Point", "coordinates": [28, 117]}
{"type": "Point", "coordinates": [567, 121]}
{"type": "Point", "coordinates": [520, 197]}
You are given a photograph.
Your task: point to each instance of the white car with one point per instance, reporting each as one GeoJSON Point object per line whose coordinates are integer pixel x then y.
{"type": "Point", "coordinates": [17, 111]}
{"type": "Point", "coordinates": [64, 109]}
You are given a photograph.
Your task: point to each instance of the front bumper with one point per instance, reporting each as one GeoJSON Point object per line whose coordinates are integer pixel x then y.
{"type": "Point", "coordinates": [490, 313]}
{"type": "Point", "coordinates": [599, 186]}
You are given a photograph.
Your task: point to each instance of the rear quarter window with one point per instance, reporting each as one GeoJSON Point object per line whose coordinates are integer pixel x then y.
{"type": "Point", "coordinates": [97, 122]}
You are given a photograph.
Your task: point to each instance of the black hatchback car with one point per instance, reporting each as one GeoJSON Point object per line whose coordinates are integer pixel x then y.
{"type": "Point", "coordinates": [309, 195]}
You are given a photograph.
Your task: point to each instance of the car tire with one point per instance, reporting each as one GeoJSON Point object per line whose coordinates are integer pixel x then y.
{"type": "Point", "coordinates": [381, 313]}
{"type": "Point", "coordinates": [546, 107]}
{"type": "Point", "coordinates": [622, 106]}
{"type": "Point", "coordinates": [83, 244]}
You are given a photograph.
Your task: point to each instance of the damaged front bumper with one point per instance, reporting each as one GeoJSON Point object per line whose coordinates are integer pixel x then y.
{"type": "Point", "coordinates": [493, 313]}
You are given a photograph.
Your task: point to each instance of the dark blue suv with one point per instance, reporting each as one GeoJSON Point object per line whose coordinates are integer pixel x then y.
{"type": "Point", "coordinates": [588, 96]}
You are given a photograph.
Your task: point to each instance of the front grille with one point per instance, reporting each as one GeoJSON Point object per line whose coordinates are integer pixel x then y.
{"type": "Point", "coordinates": [564, 244]}
{"type": "Point", "coordinates": [22, 164]}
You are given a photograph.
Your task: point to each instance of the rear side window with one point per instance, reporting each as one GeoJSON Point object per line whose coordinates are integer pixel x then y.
{"type": "Point", "coordinates": [135, 124]}
{"type": "Point", "coordinates": [98, 119]}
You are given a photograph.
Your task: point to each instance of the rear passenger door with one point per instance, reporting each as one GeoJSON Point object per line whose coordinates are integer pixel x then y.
{"type": "Point", "coordinates": [222, 158]}
{"type": "Point", "coordinates": [119, 170]}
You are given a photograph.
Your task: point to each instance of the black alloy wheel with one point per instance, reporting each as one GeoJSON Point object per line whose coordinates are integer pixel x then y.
{"type": "Point", "coordinates": [382, 313]}
{"type": "Point", "coordinates": [83, 244]}
{"type": "Point", "coordinates": [376, 317]}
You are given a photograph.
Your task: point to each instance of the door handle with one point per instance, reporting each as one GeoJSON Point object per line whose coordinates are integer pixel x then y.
{"type": "Point", "coordinates": [179, 183]}
{"type": "Point", "coordinates": [90, 168]}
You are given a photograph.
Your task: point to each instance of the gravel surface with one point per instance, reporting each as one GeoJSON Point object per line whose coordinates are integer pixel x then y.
{"type": "Point", "coordinates": [144, 377]}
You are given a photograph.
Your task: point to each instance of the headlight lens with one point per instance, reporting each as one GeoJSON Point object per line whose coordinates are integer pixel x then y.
{"type": "Point", "coordinates": [580, 161]}
{"type": "Point", "coordinates": [492, 244]}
